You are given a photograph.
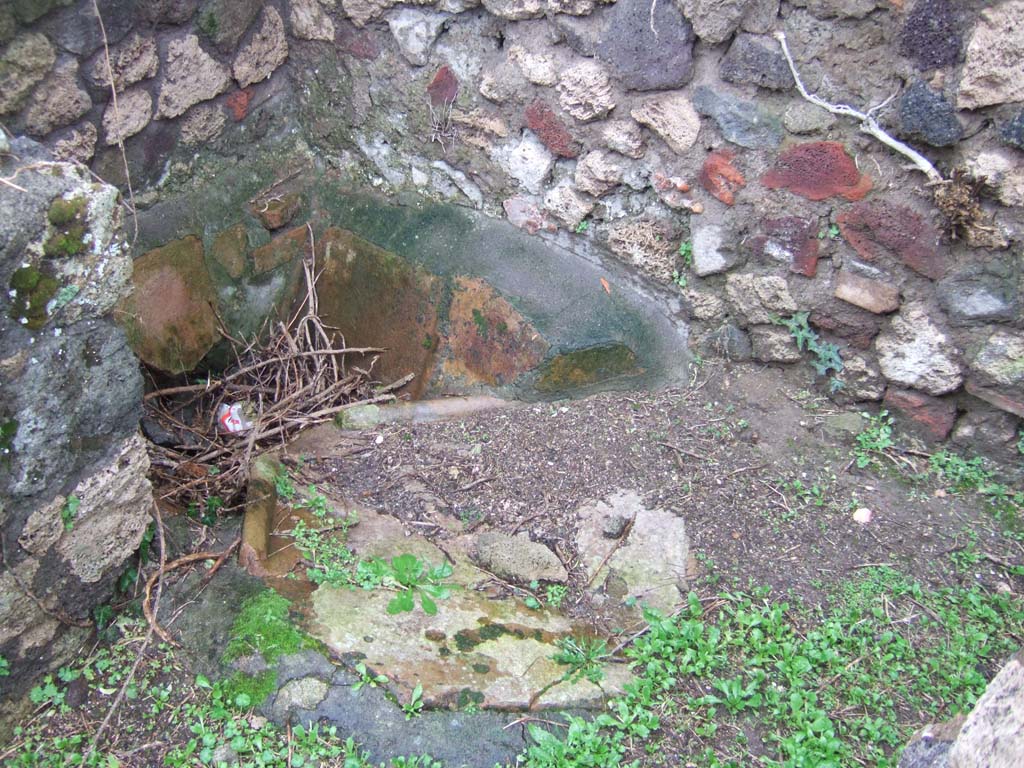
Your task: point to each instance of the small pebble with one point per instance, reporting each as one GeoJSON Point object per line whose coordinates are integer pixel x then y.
{"type": "Point", "coordinates": [862, 516]}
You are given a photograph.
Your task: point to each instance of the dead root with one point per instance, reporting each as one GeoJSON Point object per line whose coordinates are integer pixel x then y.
{"type": "Point", "coordinates": [292, 376]}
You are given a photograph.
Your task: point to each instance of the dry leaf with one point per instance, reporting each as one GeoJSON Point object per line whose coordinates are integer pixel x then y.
{"type": "Point", "coordinates": [607, 288]}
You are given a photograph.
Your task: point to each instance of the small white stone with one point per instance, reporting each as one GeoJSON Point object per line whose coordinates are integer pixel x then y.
{"type": "Point", "coordinates": [862, 516]}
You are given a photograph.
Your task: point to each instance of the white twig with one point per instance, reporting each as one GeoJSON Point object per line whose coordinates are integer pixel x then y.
{"type": "Point", "coordinates": [117, 116]}
{"type": "Point", "coordinates": [867, 121]}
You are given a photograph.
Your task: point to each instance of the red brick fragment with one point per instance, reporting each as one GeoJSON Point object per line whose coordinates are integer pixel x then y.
{"type": "Point", "coordinates": [931, 417]}
{"type": "Point", "coordinates": [817, 170]}
{"type": "Point", "coordinates": [542, 120]}
{"type": "Point", "coordinates": [789, 239]}
{"type": "Point", "coordinates": [720, 177]}
{"type": "Point", "coordinates": [877, 229]}
{"type": "Point", "coordinates": [443, 88]}
{"type": "Point", "coordinates": [238, 103]}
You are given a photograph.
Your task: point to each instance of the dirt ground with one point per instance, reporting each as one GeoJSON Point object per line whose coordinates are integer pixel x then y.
{"type": "Point", "coordinates": [759, 467]}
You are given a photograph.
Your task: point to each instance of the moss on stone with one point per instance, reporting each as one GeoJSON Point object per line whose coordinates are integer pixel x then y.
{"type": "Point", "coordinates": [587, 366]}
{"type": "Point", "coordinates": [68, 218]}
{"type": "Point", "coordinates": [33, 290]}
{"type": "Point", "coordinates": [263, 626]}
{"type": "Point", "coordinates": [8, 431]}
{"type": "Point", "coordinates": [64, 212]}
{"type": "Point", "coordinates": [470, 699]}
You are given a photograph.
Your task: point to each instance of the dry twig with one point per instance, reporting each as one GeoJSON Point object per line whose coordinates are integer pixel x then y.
{"type": "Point", "coordinates": [294, 379]}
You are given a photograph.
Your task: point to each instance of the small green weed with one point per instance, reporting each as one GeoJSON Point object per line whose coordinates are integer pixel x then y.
{"type": "Point", "coordinates": [555, 594]}
{"type": "Point", "coordinates": [69, 511]}
{"type": "Point", "coordinates": [366, 678]}
{"type": "Point", "coordinates": [583, 656]}
{"type": "Point", "coordinates": [414, 707]}
{"type": "Point", "coordinates": [874, 439]}
{"type": "Point", "coordinates": [411, 577]}
{"type": "Point", "coordinates": [786, 670]}
{"type": "Point", "coordinates": [832, 232]}
{"type": "Point", "coordinates": [826, 355]}
{"type": "Point", "coordinates": [582, 227]}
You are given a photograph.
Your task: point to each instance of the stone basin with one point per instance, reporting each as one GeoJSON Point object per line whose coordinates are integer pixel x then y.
{"type": "Point", "coordinates": [478, 651]}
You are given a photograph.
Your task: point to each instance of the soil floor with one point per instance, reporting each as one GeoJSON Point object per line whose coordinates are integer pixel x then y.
{"type": "Point", "coordinates": [759, 466]}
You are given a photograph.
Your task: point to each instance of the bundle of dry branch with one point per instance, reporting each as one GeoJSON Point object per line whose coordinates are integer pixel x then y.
{"type": "Point", "coordinates": [291, 378]}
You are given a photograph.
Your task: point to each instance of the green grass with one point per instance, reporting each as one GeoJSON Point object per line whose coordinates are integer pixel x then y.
{"type": "Point", "coordinates": [836, 687]}
{"type": "Point", "coordinates": [840, 685]}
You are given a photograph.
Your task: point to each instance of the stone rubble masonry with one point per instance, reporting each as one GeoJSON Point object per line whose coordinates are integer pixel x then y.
{"type": "Point", "coordinates": [873, 295]}
{"type": "Point", "coordinates": [265, 52]}
{"type": "Point", "coordinates": [992, 69]}
{"type": "Point", "coordinates": [516, 10]}
{"type": "Point", "coordinates": [914, 352]}
{"type": "Point", "coordinates": [715, 21]}
{"type": "Point", "coordinates": [931, 418]}
{"type": "Point", "coordinates": [818, 170]}
{"type": "Point", "coordinates": [77, 145]}
{"type": "Point", "coordinates": [190, 76]}
{"type": "Point", "coordinates": [24, 62]}
{"type": "Point", "coordinates": [585, 92]}
{"type": "Point", "coordinates": [201, 124]}
{"type": "Point", "coordinates": [537, 68]}
{"type": "Point", "coordinates": [544, 121]}
{"type": "Point", "coordinates": [598, 173]}
{"type": "Point", "coordinates": [672, 117]}
{"type": "Point", "coordinates": [309, 22]}
{"type": "Point", "coordinates": [877, 229]}
{"type": "Point", "coordinates": [415, 31]}
{"type": "Point", "coordinates": [624, 137]}
{"type": "Point", "coordinates": [58, 101]}
{"type": "Point", "coordinates": [132, 61]}
{"type": "Point", "coordinates": [134, 109]}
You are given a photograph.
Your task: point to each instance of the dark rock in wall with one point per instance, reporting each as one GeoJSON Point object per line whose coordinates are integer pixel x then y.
{"type": "Point", "coordinates": [77, 30]}
{"type": "Point", "coordinates": [727, 341]}
{"type": "Point", "coordinates": [81, 392]}
{"type": "Point", "coordinates": [621, 37]}
{"type": "Point", "coordinates": [932, 34]}
{"type": "Point", "coordinates": [169, 11]}
{"type": "Point", "coordinates": [27, 11]}
{"type": "Point", "coordinates": [980, 294]}
{"type": "Point", "coordinates": [756, 59]}
{"type": "Point", "coordinates": [225, 21]}
{"type": "Point", "coordinates": [1012, 131]}
{"type": "Point", "coordinates": [741, 122]}
{"type": "Point", "coordinates": [926, 115]}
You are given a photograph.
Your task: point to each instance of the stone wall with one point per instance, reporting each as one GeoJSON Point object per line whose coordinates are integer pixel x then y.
{"type": "Point", "coordinates": [629, 127]}
{"type": "Point", "coordinates": [74, 495]}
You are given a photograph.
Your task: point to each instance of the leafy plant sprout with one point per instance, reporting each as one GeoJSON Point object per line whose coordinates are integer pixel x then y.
{"type": "Point", "coordinates": [826, 355]}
